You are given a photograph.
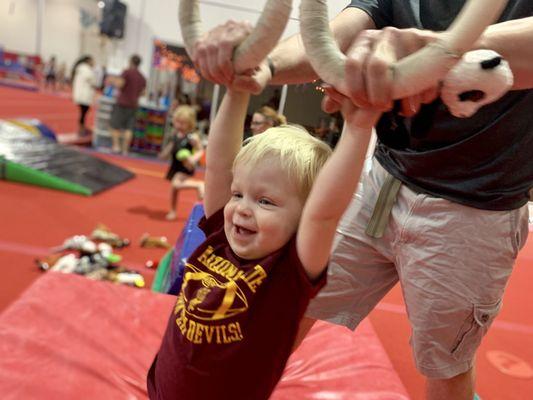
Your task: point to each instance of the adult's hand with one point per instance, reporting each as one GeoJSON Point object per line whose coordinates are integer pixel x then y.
{"type": "Point", "coordinates": [364, 118]}
{"type": "Point", "coordinates": [213, 52]}
{"type": "Point", "coordinates": [368, 68]}
{"type": "Point", "coordinates": [213, 55]}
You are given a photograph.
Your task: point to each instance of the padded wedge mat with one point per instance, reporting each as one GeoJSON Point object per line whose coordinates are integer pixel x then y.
{"type": "Point", "coordinates": [68, 337]}
{"type": "Point", "coordinates": [36, 160]}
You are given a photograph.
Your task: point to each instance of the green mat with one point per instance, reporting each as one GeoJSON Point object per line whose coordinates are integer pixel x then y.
{"type": "Point", "coordinates": [15, 172]}
{"type": "Point", "coordinates": [160, 283]}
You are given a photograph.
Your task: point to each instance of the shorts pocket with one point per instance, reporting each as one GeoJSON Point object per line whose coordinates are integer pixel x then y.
{"type": "Point", "coordinates": [473, 329]}
{"type": "Point", "coordinates": [520, 229]}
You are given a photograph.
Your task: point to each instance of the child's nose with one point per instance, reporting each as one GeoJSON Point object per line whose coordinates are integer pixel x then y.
{"type": "Point", "coordinates": [243, 207]}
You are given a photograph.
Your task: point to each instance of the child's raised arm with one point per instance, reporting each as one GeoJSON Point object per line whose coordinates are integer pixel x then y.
{"type": "Point", "coordinates": [333, 189]}
{"type": "Point", "coordinates": [224, 142]}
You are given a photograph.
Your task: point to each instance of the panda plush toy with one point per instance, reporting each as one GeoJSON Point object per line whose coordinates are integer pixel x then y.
{"type": "Point", "coordinates": [479, 78]}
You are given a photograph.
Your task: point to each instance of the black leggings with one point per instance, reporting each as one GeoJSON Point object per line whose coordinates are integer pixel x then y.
{"type": "Point", "coordinates": [83, 113]}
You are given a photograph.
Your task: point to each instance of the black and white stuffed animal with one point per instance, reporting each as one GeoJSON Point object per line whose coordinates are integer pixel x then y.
{"type": "Point", "coordinates": [481, 77]}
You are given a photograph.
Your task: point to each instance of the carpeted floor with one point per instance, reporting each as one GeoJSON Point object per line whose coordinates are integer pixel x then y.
{"type": "Point", "coordinates": [56, 110]}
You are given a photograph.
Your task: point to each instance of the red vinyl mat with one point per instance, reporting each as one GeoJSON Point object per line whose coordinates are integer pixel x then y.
{"type": "Point", "coordinates": [68, 337]}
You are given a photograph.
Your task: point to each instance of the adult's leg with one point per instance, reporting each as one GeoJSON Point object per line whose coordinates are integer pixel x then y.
{"type": "Point", "coordinates": [454, 263]}
{"type": "Point", "coordinates": [126, 141]}
{"type": "Point", "coordinates": [129, 124]}
{"type": "Point", "coordinates": [116, 124]}
{"type": "Point", "coordinates": [83, 113]}
{"type": "Point", "coordinates": [459, 387]}
{"type": "Point", "coordinates": [361, 269]}
{"type": "Point", "coordinates": [115, 138]}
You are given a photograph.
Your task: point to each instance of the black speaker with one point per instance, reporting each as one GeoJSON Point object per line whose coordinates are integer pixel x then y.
{"type": "Point", "coordinates": [113, 19]}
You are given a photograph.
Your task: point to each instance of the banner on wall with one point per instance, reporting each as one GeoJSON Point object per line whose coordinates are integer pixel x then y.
{"type": "Point", "coordinates": [167, 57]}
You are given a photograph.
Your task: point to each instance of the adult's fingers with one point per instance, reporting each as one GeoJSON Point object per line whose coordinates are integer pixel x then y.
{"type": "Point", "coordinates": [331, 92]}
{"type": "Point", "coordinates": [357, 57]}
{"type": "Point", "coordinates": [213, 53]}
{"type": "Point", "coordinates": [410, 105]}
{"type": "Point", "coordinates": [214, 61]}
{"type": "Point", "coordinates": [378, 74]}
{"type": "Point", "coordinates": [224, 62]}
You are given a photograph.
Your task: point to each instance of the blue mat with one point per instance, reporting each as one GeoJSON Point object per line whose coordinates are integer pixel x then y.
{"type": "Point", "coordinates": [190, 238]}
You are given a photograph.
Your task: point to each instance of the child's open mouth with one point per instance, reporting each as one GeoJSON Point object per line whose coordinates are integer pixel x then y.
{"type": "Point", "coordinates": [242, 231]}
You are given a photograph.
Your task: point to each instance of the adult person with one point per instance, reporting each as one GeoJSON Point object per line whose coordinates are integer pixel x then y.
{"type": "Point", "coordinates": [83, 85]}
{"type": "Point", "coordinates": [265, 117]}
{"type": "Point", "coordinates": [459, 218]}
{"type": "Point", "coordinates": [131, 84]}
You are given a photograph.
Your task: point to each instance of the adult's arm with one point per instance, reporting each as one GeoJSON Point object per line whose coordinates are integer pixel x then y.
{"type": "Point", "coordinates": [290, 62]}
{"type": "Point", "coordinates": [371, 84]}
{"type": "Point", "coordinates": [214, 50]}
{"type": "Point", "coordinates": [514, 41]}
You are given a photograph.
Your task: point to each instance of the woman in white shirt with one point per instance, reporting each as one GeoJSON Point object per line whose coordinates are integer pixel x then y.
{"type": "Point", "coordinates": [83, 83]}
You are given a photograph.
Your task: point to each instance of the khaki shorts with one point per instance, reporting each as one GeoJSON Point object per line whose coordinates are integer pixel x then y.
{"type": "Point", "coordinates": [452, 261]}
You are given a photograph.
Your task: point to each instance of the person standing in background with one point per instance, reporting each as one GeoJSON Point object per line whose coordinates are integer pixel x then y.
{"type": "Point", "coordinates": [83, 83]}
{"type": "Point", "coordinates": [131, 84]}
{"type": "Point", "coordinates": [49, 73]}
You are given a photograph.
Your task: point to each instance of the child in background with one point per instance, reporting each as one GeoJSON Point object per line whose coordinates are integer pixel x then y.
{"type": "Point", "coordinates": [269, 222]}
{"type": "Point", "coordinates": [184, 150]}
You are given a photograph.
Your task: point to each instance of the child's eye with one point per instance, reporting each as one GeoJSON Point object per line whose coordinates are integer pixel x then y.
{"type": "Point", "coordinates": [265, 202]}
{"type": "Point", "coordinates": [236, 195]}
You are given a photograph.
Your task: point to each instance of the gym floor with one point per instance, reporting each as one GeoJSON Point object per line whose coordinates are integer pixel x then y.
{"type": "Point", "coordinates": [34, 219]}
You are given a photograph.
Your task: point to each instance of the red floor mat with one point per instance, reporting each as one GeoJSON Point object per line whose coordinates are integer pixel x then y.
{"type": "Point", "coordinates": [68, 338]}
{"type": "Point", "coordinates": [57, 111]}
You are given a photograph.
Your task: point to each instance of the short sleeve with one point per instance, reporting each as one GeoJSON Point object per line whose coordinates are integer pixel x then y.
{"type": "Point", "coordinates": [212, 224]}
{"type": "Point", "coordinates": [379, 10]}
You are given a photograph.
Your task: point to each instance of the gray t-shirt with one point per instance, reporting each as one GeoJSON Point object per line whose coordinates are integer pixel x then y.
{"type": "Point", "coordinates": [483, 161]}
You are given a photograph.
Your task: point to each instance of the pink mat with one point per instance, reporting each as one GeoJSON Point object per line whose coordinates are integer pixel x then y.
{"type": "Point", "coordinates": [69, 338]}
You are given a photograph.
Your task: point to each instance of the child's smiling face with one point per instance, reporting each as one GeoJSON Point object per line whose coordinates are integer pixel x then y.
{"type": "Point", "coordinates": [264, 210]}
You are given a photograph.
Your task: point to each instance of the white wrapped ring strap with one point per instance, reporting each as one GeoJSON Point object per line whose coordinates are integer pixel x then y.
{"type": "Point", "coordinates": [256, 47]}
{"type": "Point", "coordinates": [413, 74]}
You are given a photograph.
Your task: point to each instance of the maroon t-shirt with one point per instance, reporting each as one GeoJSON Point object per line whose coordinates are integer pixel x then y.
{"type": "Point", "coordinates": [134, 84]}
{"type": "Point", "coordinates": [234, 323]}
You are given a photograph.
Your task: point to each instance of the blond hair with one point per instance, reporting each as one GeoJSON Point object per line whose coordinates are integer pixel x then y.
{"type": "Point", "coordinates": [186, 113]}
{"type": "Point", "coordinates": [300, 155]}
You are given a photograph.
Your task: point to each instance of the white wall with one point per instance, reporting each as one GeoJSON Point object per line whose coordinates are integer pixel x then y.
{"type": "Point", "coordinates": [63, 36]}
{"type": "Point", "coordinates": [160, 19]}
{"type": "Point", "coordinates": [18, 25]}
{"type": "Point", "coordinates": [61, 28]}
